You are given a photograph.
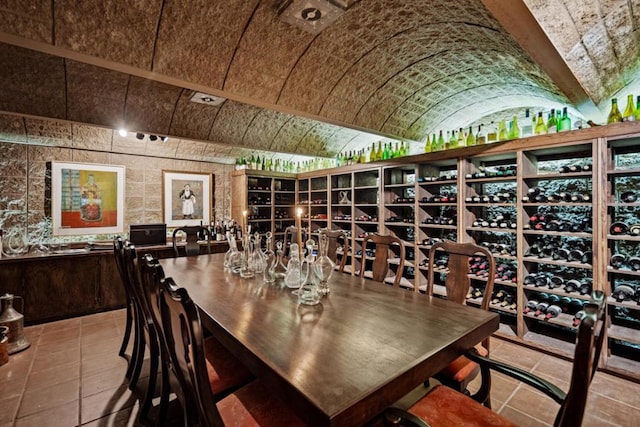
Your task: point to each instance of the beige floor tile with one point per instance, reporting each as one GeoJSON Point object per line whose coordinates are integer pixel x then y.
{"type": "Point", "coordinates": [59, 416]}
{"type": "Point", "coordinates": [556, 370]}
{"type": "Point", "coordinates": [13, 382]}
{"type": "Point", "coordinates": [47, 360]}
{"type": "Point", "coordinates": [612, 410]}
{"type": "Point", "coordinates": [528, 401]}
{"type": "Point", "coordinates": [521, 418]}
{"type": "Point", "coordinates": [105, 380]}
{"type": "Point", "coordinates": [102, 362]}
{"type": "Point", "coordinates": [99, 318]}
{"type": "Point", "coordinates": [52, 376]}
{"type": "Point", "coordinates": [59, 336]}
{"type": "Point", "coordinates": [9, 408]}
{"type": "Point", "coordinates": [102, 346]}
{"type": "Point", "coordinates": [517, 355]}
{"type": "Point", "coordinates": [50, 397]}
{"type": "Point", "coordinates": [124, 418]}
{"type": "Point", "coordinates": [106, 402]}
{"type": "Point", "coordinates": [616, 389]}
{"type": "Point", "coordinates": [61, 324]}
{"type": "Point", "coordinates": [58, 346]}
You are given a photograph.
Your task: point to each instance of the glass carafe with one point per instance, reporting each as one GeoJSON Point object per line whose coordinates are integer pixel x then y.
{"type": "Point", "coordinates": [256, 260]}
{"type": "Point", "coordinates": [308, 293]}
{"type": "Point", "coordinates": [270, 261]}
{"type": "Point", "coordinates": [323, 266]}
{"type": "Point", "coordinates": [247, 269]}
{"type": "Point", "coordinates": [280, 270]}
{"type": "Point", "coordinates": [295, 272]}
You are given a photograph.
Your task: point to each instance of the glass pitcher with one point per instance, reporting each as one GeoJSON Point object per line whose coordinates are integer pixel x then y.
{"type": "Point", "coordinates": [323, 266]}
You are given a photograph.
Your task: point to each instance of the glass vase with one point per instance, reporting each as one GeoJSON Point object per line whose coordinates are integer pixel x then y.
{"type": "Point", "coordinates": [323, 266]}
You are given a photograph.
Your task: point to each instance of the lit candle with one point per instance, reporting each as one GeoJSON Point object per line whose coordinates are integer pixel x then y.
{"type": "Point", "coordinates": [244, 222]}
{"type": "Point", "coordinates": [299, 228]}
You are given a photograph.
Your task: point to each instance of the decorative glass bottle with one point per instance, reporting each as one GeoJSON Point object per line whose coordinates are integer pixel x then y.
{"type": "Point", "coordinates": [280, 270]}
{"type": "Point", "coordinates": [294, 268]}
{"type": "Point", "coordinates": [309, 292]}
{"type": "Point", "coordinates": [247, 271]}
{"type": "Point", "coordinates": [270, 261]}
{"type": "Point", "coordinates": [323, 266]}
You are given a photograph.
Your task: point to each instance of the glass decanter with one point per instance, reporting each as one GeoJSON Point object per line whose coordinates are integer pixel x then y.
{"type": "Point", "coordinates": [247, 271]}
{"type": "Point", "coordinates": [270, 261]}
{"type": "Point", "coordinates": [309, 292]}
{"type": "Point", "coordinates": [280, 270]}
{"type": "Point", "coordinates": [235, 256]}
{"type": "Point", "coordinates": [295, 271]}
{"type": "Point", "coordinates": [323, 266]}
{"type": "Point", "coordinates": [256, 261]}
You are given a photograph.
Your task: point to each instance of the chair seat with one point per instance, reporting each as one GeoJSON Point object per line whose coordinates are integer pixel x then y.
{"type": "Point", "coordinates": [224, 370]}
{"type": "Point", "coordinates": [463, 370]}
{"type": "Point", "coordinates": [256, 405]}
{"type": "Point", "coordinates": [448, 408]}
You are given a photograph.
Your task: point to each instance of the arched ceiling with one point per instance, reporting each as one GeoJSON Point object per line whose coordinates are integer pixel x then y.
{"type": "Point", "coordinates": [398, 69]}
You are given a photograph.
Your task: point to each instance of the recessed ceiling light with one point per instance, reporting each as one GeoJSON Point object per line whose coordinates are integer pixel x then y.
{"type": "Point", "coordinates": [152, 137]}
{"type": "Point", "coordinates": [204, 98]}
{"type": "Point", "coordinates": [122, 132]}
{"type": "Point", "coordinates": [164, 138]}
{"type": "Point", "coordinates": [140, 136]}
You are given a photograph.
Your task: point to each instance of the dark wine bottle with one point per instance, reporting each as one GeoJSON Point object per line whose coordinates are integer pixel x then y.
{"type": "Point", "coordinates": [571, 286]}
{"type": "Point", "coordinates": [623, 293]}
{"type": "Point", "coordinates": [618, 228]}
{"type": "Point", "coordinates": [628, 197]}
{"type": "Point", "coordinates": [618, 260]}
{"type": "Point", "coordinates": [634, 263]}
{"type": "Point", "coordinates": [577, 318]}
{"type": "Point", "coordinates": [531, 306]}
{"type": "Point", "coordinates": [552, 311]}
{"type": "Point", "coordinates": [556, 282]}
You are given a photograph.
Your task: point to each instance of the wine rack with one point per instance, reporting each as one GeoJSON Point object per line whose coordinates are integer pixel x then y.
{"type": "Point", "coordinates": [542, 205]}
{"type": "Point", "coordinates": [623, 249]}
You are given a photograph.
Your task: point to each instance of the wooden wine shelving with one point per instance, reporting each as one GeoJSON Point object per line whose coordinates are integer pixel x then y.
{"type": "Point", "coordinates": [371, 189]}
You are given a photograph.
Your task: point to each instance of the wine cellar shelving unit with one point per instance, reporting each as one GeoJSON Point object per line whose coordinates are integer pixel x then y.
{"type": "Point", "coordinates": [543, 205]}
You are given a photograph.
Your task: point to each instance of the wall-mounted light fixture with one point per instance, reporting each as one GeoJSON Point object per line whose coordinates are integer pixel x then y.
{"type": "Point", "coordinates": [122, 132]}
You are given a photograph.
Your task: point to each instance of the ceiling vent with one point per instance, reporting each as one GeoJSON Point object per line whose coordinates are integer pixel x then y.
{"type": "Point", "coordinates": [203, 98]}
{"type": "Point", "coordinates": [313, 16]}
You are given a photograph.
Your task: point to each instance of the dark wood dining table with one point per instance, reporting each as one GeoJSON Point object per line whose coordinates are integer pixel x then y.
{"type": "Point", "coordinates": [343, 361]}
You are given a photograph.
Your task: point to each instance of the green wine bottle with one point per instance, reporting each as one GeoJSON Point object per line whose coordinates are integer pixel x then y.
{"type": "Point", "coordinates": [372, 153]}
{"type": "Point", "coordinates": [453, 141]}
{"type": "Point", "coordinates": [514, 130]}
{"type": "Point", "coordinates": [427, 145]}
{"type": "Point", "coordinates": [403, 149]}
{"type": "Point", "coordinates": [638, 108]}
{"type": "Point", "coordinates": [541, 127]}
{"type": "Point", "coordinates": [503, 135]}
{"type": "Point", "coordinates": [441, 143]}
{"type": "Point", "coordinates": [629, 114]}
{"type": "Point", "coordinates": [386, 153]}
{"type": "Point", "coordinates": [380, 152]}
{"type": "Point", "coordinates": [565, 121]}
{"type": "Point", "coordinates": [614, 114]}
{"type": "Point", "coordinates": [471, 139]}
{"type": "Point", "coordinates": [552, 124]}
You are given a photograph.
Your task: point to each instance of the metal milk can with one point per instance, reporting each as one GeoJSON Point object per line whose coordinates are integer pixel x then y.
{"type": "Point", "coordinates": [12, 319]}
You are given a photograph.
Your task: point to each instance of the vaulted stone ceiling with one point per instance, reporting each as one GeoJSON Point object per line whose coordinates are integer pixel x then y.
{"type": "Point", "coordinates": [399, 69]}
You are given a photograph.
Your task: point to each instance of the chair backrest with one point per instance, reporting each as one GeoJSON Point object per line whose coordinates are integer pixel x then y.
{"type": "Point", "coordinates": [380, 266]}
{"type": "Point", "coordinates": [291, 236]}
{"type": "Point", "coordinates": [335, 236]}
{"type": "Point", "coordinates": [192, 248]}
{"type": "Point", "coordinates": [591, 334]}
{"type": "Point", "coordinates": [457, 281]}
{"type": "Point", "coordinates": [125, 254]}
{"type": "Point", "coordinates": [118, 253]}
{"type": "Point", "coordinates": [185, 342]}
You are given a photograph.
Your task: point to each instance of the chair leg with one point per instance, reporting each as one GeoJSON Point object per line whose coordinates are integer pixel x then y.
{"type": "Point", "coordinates": [138, 341]}
{"type": "Point", "coordinates": [165, 391]}
{"type": "Point", "coordinates": [127, 332]}
{"type": "Point", "coordinates": [138, 362]}
{"type": "Point", "coordinates": [151, 387]}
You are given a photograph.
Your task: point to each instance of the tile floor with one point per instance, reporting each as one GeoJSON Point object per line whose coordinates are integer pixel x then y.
{"type": "Point", "coordinates": [72, 375]}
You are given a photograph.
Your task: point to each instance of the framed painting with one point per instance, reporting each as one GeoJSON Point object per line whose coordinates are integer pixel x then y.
{"type": "Point", "coordinates": [187, 198]}
{"type": "Point", "coordinates": [87, 198]}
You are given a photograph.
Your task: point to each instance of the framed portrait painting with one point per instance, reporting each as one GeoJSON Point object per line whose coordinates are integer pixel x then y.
{"type": "Point", "coordinates": [187, 198]}
{"type": "Point", "coordinates": [87, 198]}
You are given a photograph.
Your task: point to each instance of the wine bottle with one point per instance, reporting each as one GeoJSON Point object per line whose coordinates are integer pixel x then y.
{"type": "Point", "coordinates": [372, 152]}
{"type": "Point", "coordinates": [638, 108]}
{"type": "Point", "coordinates": [503, 135]}
{"type": "Point", "coordinates": [552, 124]}
{"type": "Point", "coordinates": [514, 130]}
{"type": "Point", "coordinates": [471, 139]}
{"type": "Point", "coordinates": [531, 306]}
{"type": "Point", "coordinates": [618, 260]}
{"type": "Point", "coordinates": [565, 121]}
{"type": "Point", "coordinates": [527, 128]}
{"type": "Point", "coordinates": [623, 293]}
{"type": "Point", "coordinates": [618, 228]}
{"type": "Point", "coordinates": [441, 142]}
{"type": "Point", "coordinates": [614, 114]}
{"type": "Point", "coordinates": [427, 145]}
{"type": "Point", "coordinates": [629, 114]}
{"type": "Point", "coordinates": [541, 127]}
{"type": "Point", "coordinates": [556, 282]}
{"type": "Point", "coordinates": [628, 197]}
{"type": "Point", "coordinates": [453, 141]}
{"type": "Point", "coordinates": [480, 137]}
{"type": "Point", "coordinates": [634, 263]}
{"type": "Point", "coordinates": [552, 311]}
{"type": "Point", "coordinates": [492, 133]}
{"type": "Point", "coordinates": [460, 142]}
{"type": "Point", "coordinates": [571, 286]}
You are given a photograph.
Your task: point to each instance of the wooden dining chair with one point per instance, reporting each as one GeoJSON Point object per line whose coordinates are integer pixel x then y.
{"type": "Point", "coordinates": [194, 235]}
{"type": "Point", "coordinates": [132, 324]}
{"type": "Point", "coordinates": [462, 371]}
{"type": "Point", "coordinates": [335, 237]}
{"type": "Point", "coordinates": [380, 267]}
{"type": "Point", "coordinates": [291, 236]}
{"type": "Point", "coordinates": [251, 405]}
{"type": "Point", "coordinates": [443, 406]}
{"type": "Point", "coordinates": [234, 373]}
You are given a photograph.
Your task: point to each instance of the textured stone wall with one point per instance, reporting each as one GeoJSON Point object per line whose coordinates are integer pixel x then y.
{"type": "Point", "coordinates": [25, 185]}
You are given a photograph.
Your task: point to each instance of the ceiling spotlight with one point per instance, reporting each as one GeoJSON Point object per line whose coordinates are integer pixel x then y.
{"type": "Point", "coordinates": [153, 137]}
{"type": "Point", "coordinates": [140, 136]}
{"type": "Point", "coordinates": [122, 132]}
{"type": "Point", "coordinates": [164, 138]}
